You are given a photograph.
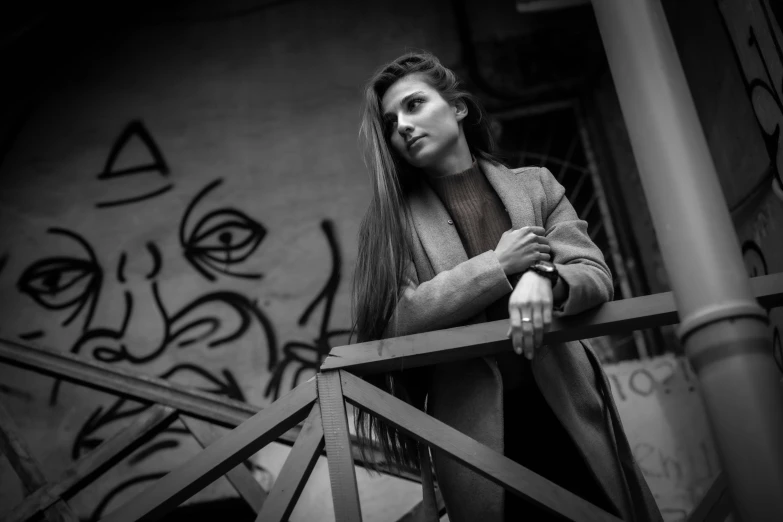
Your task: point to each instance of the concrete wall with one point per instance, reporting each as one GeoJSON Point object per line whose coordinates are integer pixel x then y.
{"type": "Point", "coordinates": [754, 27]}
{"type": "Point", "coordinates": [184, 202]}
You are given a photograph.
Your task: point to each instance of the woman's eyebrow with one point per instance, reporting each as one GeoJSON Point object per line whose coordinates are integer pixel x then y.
{"type": "Point", "coordinates": [407, 97]}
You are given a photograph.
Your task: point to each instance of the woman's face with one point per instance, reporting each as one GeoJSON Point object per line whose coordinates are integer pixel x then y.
{"type": "Point", "coordinates": [420, 125]}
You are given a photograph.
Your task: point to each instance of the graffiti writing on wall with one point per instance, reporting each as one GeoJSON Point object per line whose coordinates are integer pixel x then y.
{"type": "Point", "coordinates": [661, 463]}
{"type": "Point", "coordinates": [755, 32]}
{"type": "Point", "coordinates": [660, 405]}
{"type": "Point", "coordinates": [153, 327]}
{"type": "Point", "coordinates": [657, 377]}
{"type": "Point", "coordinates": [681, 476]}
{"type": "Point", "coordinates": [309, 356]}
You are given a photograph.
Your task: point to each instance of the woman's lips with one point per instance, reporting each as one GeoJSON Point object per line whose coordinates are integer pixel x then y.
{"type": "Point", "coordinates": [414, 141]}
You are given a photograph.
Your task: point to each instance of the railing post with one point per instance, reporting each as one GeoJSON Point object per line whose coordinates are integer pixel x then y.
{"type": "Point", "coordinates": [723, 329]}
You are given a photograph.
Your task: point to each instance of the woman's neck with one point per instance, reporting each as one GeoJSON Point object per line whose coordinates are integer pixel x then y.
{"type": "Point", "coordinates": [458, 160]}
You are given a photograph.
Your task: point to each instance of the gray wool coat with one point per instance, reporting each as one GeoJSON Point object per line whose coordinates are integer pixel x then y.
{"type": "Point", "coordinates": [444, 288]}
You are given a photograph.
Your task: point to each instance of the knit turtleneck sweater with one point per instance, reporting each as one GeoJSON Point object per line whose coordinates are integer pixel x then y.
{"type": "Point", "coordinates": [475, 208]}
{"type": "Point", "coordinates": [478, 214]}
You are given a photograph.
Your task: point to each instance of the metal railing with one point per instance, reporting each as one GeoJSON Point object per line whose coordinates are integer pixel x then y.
{"type": "Point", "coordinates": [202, 414]}
{"type": "Point", "coordinates": [320, 403]}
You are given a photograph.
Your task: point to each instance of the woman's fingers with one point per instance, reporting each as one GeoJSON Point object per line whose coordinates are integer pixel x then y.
{"type": "Point", "coordinates": [528, 332]}
{"type": "Point", "coordinates": [544, 251]}
{"type": "Point", "coordinates": [522, 334]}
{"type": "Point", "coordinates": [547, 316]}
{"type": "Point", "coordinates": [530, 314]}
{"type": "Point", "coordinates": [515, 317]}
{"type": "Point", "coordinates": [539, 231]}
{"type": "Point", "coordinates": [538, 324]}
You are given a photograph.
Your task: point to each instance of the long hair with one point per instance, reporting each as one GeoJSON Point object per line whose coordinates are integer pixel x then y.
{"type": "Point", "coordinates": [384, 251]}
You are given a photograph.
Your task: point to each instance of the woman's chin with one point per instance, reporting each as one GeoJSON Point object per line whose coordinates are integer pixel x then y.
{"type": "Point", "coordinates": [420, 160]}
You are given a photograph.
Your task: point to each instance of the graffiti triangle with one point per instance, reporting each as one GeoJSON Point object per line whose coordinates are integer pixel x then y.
{"type": "Point", "coordinates": [143, 144]}
{"type": "Point", "coordinates": [134, 152]}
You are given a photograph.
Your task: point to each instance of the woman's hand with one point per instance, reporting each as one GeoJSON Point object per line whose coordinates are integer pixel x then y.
{"type": "Point", "coordinates": [530, 312]}
{"type": "Point", "coordinates": [520, 248]}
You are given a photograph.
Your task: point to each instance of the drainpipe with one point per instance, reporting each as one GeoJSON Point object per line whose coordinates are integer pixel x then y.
{"type": "Point", "coordinates": [723, 329]}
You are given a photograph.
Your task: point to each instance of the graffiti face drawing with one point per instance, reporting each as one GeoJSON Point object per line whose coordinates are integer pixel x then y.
{"type": "Point", "coordinates": [119, 301]}
{"type": "Point", "coordinates": [163, 278]}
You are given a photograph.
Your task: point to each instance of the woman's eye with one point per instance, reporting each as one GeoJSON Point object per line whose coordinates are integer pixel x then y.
{"type": "Point", "coordinates": [414, 103]}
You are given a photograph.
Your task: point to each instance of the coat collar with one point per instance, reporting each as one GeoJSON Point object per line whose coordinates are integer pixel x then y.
{"type": "Point", "coordinates": [431, 220]}
{"type": "Point", "coordinates": [510, 185]}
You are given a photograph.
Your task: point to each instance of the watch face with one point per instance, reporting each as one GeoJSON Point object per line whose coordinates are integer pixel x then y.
{"type": "Point", "coordinates": [545, 266]}
{"type": "Point", "coordinates": [546, 269]}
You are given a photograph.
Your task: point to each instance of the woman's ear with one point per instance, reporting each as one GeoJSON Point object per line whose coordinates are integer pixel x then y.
{"type": "Point", "coordinates": [460, 109]}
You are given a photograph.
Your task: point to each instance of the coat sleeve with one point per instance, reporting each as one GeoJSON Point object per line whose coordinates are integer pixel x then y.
{"type": "Point", "coordinates": [449, 298]}
{"type": "Point", "coordinates": [579, 261]}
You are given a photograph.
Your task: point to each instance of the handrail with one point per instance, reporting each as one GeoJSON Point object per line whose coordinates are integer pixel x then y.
{"type": "Point", "coordinates": [478, 340]}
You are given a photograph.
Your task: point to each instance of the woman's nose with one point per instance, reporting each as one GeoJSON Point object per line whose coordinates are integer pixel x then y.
{"type": "Point", "coordinates": [404, 127]}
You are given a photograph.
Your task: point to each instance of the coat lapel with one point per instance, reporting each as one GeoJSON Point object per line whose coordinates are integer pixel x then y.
{"type": "Point", "coordinates": [439, 239]}
{"type": "Point", "coordinates": [511, 188]}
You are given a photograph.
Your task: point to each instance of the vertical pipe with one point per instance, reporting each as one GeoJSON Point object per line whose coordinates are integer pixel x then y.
{"type": "Point", "coordinates": [724, 331]}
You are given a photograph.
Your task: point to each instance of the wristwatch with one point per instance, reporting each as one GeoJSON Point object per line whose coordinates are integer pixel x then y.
{"type": "Point", "coordinates": [546, 269]}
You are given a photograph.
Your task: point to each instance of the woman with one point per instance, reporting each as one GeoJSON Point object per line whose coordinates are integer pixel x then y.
{"type": "Point", "coordinates": [453, 237]}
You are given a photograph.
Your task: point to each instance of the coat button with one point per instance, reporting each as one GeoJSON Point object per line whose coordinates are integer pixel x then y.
{"type": "Point", "coordinates": [451, 222]}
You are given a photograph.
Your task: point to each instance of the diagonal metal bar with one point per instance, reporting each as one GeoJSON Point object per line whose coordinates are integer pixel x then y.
{"type": "Point", "coordinates": [479, 340]}
{"type": "Point", "coordinates": [296, 470]}
{"type": "Point", "coordinates": [218, 410]}
{"type": "Point", "coordinates": [715, 505]}
{"type": "Point", "coordinates": [89, 467]}
{"type": "Point", "coordinates": [240, 477]}
{"type": "Point", "coordinates": [27, 468]}
{"type": "Point", "coordinates": [125, 383]}
{"type": "Point", "coordinates": [220, 457]}
{"type": "Point", "coordinates": [342, 475]}
{"type": "Point", "coordinates": [472, 454]}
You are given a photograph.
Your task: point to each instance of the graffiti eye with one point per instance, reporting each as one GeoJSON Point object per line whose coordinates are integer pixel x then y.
{"type": "Point", "coordinates": [61, 282]}
{"type": "Point", "coordinates": [224, 238]}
